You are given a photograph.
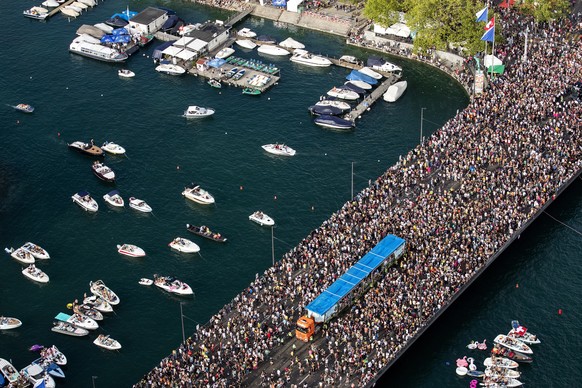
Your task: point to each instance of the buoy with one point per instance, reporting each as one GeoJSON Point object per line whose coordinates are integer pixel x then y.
{"type": "Point", "coordinates": [17, 121]}
{"type": "Point", "coordinates": [325, 154]}
{"type": "Point", "coordinates": [102, 95]}
{"type": "Point", "coordinates": [559, 311]}
{"type": "Point", "coordinates": [269, 98]}
{"type": "Point", "coordinates": [58, 134]}
{"type": "Point", "coordinates": [241, 188]}
{"type": "Point", "coordinates": [177, 167]}
{"type": "Point", "coordinates": [312, 208]}
{"type": "Point", "coordinates": [516, 285]}
{"type": "Point", "coordinates": [69, 306]}
{"type": "Point", "coordinates": [275, 197]}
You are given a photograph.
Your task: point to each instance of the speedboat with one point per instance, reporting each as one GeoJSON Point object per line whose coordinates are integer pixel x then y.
{"type": "Point", "coordinates": [333, 122]}
{"type": "Point", "coordinates": [131, 250]}
{"type": "Point", "coordinates": [35, 374]}
{"type": "Point", "coordinates": [279, 149]}
{"type": "Point", "coordinates": [292, 43]}
{"type": "Point", "coordinates": [139, 205]}
{"type": "Point", "coordinates": [214, 83]}
{"type": "Point", "coordinates": [491, 382]}
{"type": "Point", "coordinates": [512, 344]}
{"type": "Point", "coordinates": [11, 375]}
{"type": "Point", "coordinates": [344, 94]}
{"type": "Point", "coordinates": [266, 39]}
{"type": "Point", "coordinates": [272, 50]}
{"type": "Point", "coordinates": [49, 367]}
{"type": "Point", "coordinates": [85, 309]}
{"type": "Point", "coordinates": [106, 342]}
{"type": "Point", "coordinates": [170, 69]}
{"type": "Point", "coordinates": [262, 219]}
{"type": "Point", "coordinates": [195, 193]}
{"type": "Point", "coordinates": [331, 110]}
{"type": "Point", "coordinates": [305, 58]}
{"type": "Point", "coordinates": [520, 332]}
{"type": "Point", "coordinates": [50, 3]}
{"type": "Point", "coordinates": [246, 32]}
{"type": "Point", "coordinates": [251, 91]}
{"type": "Point", "coordinates": [353, 87]}
{"type": "Point", "coordinates": [101, 290]}
{"type": "Point", "coordinates": [55, 355]}
{"type": "Point", "coordinates": [195, 112]}
{"type": "Point", "coordinates": [146, 282]}
{"type": "Point", "coordinates": [98, 304]}
{"type": "Point", "coordinates": [125, 73]}
{"type": "Point", "coordinates": [104, 27]}
{"type": "Point", "coordinates": [395, 91]}
{"type": "Point", "coordinates": [246, 43]}
{"type": "Point", "coordinates": [361, 84]}
{"type": "Point", "coordinates": [79, 5]}
{"type": "Point", "coordinates": [113, 148]}
{"type": "Point", "coordinates": [114, 199]}
{"type": "Point", "coordinates": [500, 362]}
{"type": "Point", "coordinates": [21, 254]}
{"type": "Point", "coordinates": [116, 21]}
{"type": "Point", "coordinates": [239, 74]}
{"type": "Point", "coordinates": [79, 10]}
{"type": "Point", "coordinates": [68, 329]}
{"type": "Point", "coordinates": [172, 285]}
{"type": "Point", "coordinates": [349, 59]}
{"type": "Point", "coordinates": [36, 251]}
{"type": "Point", "coordinates": [37, 13]}
{"type": "Point", "coordinates": [78, 320]}
{"type": "Point", "coordinates": [103, 172]}
{"type": "Point", "coordinates": [225, 53]}
{"type": "Point", "coordinates": [69, 12]}
{"type": "Point", "coordinates": [356, 75]}
{"type": "Point", "coordinates": [184, 245]}
{"type": "Point", "coordinates": [500, 351]}
{"type": "Point", "coordinates": [502, 372]}
{"type": "Point", "coordinates": [35, 274]}
{"type": "Point", "coordinates": [23, 108]}
{"type": "Point", "coordinates": [204, 231]}
{"type": "Point", "coordinates": [84, 199]}
{"type": "Point", "coordinates": [7, 323]}
{"type": "Point", "coordinates": [380, 64]}
{"type": "Point", "coordinates": [86, 148]}
{"type": "Point", "coordinates": [338, 104]}
{"type": "Point", "coordinates": [370, 73]}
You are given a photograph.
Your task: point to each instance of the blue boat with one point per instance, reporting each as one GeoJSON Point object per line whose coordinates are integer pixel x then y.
{"type": "Point", "coordinates": [329, 121]}
{"type": "Point", "coordinates": [170, 23]}
{"type": "Point", "coordinates": [359, 76]}
{"type": "Point", "coordinates": [50, 367]}
{"type": "Point", "coordinates": [329, 110]}
{"type": "Point", "coordinates": [116, 21]}
{"type": "Point", "coordinates": [350, 86]}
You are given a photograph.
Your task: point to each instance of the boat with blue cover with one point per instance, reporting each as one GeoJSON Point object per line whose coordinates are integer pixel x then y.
{"type": "Point", "coordinates": [354, 88]}
{"type": "Point", "coordinates": [355, 75]}
{"type": "Point", "coordinates": [169, 23]}
{"type": "Point", "coordinates": [335, 122]}
{"type": "Point", "coordinates": [330, 110]}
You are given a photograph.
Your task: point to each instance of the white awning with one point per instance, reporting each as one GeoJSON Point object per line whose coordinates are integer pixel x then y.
{"type": "Point", "coordinates": [491, 60]}
{"type": "Point", "coordinates": [183, 41]}
{"type": "Point", "coordinates": [186, 54]}
{"type": "Point", "coordinates": [172, 51]}
{"type": "Point", "coordinates": [398, 29]}
{"type": "Point", "coordinates": [197, 45]}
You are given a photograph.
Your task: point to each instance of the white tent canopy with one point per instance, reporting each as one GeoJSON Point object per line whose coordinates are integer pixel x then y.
{"type": "Point", "coordinates": [186, 55]}
{"type": "Point", "coordinates": [293, 5]}
{"type": "Point", "coordinates": [398, 29]}
{"type": "Point", "coordinates": [197, 45]}
{"type": "Point", "coordinates": [491, 60]}
{"type": "Point", "coordinates": [172, 51]}
{"type": "Point", "coordinates": [183, 41]}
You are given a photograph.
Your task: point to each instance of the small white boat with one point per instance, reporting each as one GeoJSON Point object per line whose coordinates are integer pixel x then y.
{"type": "Point", "coordinates": [84, 199]}
{"type": "Point", "coordinates": [103, 172]}
{"type": "Point", "coordinates": [130, 250]}
{"type": "Point", "coordinates": [338, 104]}
{"type": "Point", "coordinates": [170, 69]}
{"type": "Point", "coordinates": [272, 50]}
{"type": "Point", "coordinates": [35, 274]}
{"type": "Point", "coordinates": [7, 323]}
{"type": "Point", "coordinates": [195, 193]}
{"type": "Point", "coordinates": [38, 13]}
{"type": "Point", "coordinates": [50, 3]}
{"type": "Point", "coordinates": [9, 372]}
{"type": "Point", "coordinates": [69, 329]}
{"type": "Point", "coordinates": [90, 3]}
{"type": "Point", "coordinates": [349, 59]}
{"type": "Point", "coordinates": [500, 362]}
{"type": "Point", "coordinates": [306, 58]}
{"type": "Point", "coordinates": [78, 320]}
{"type": "Point", "coordinates": [106, 342]}
{"type": "Point", "coordinates": [114, 199]}
{"type": "Point", "coordinates": [101, 290]}
{"type": "Point", "coordinates": [387, 67]}
{"type": "Point", "coordinates": [80, 5]}
{"type": "Point", "coordinates": [71, 7]}
{"type": "Point", "coordinates": [360, 84]}
{"type": "Point", "coordinates": [172, 285]}
{"type": "Point", "coordinates": [35, 374]}
{"type": "Point", "coordinates": [246, 43]}
{"type": "Point", "coordinates": [262, 219]}
{"type": "Point", "coordinates": [371, 73]}
{"type": "Point", "coordinates": [139, 205]}
{"type": "Point", "coordinates": [113, 148]}
{"type": "Point", "coordinates": [88, 310]}
{"type": "Point", "coordinates": [344, 94]}
{"type": "Point", "coordinates": [279, 149]}
{"type": "Point", "coordinates": [395, 91]}
{"type": "Point", "coordinates": [461, 370]}
{"type": "Point", "coordinates": [21, 254]}
{"type": "Point", "coordinates": [500, 383]}
{"type": "Point", "coordinates": [184, 245]}
{"type": "Point", "coordinates": [98, 304]}
{"type": "Point", "coordinates": [225, 53]}
{"type": "Point", "coordinates": [69, 12]}
{"type": "Point", "coordinates": [55, 355]}
{"type": "Point", "coordinates": [125, 73]}
{"type": "Point", "coordinates": [49, 367]}
{"type": "Point", "coordinates": [502, 373]}
{"type": "Point", "coordinates": [36, 251]}
{"type": "Point", "coordinates": [195, 112]}
{"type": "Point", "coordinates": [104, 27]}
{"type": "Point", "coordinates": [246, 32]}
{"type": "Point", "coordinates": [520, 332]}
{"type": "Point", "coordinates": [512, 344]}
{"type": "Point", "coordinates": [291, 43]}
{"type": "Point", "coordinates": [146, 282]}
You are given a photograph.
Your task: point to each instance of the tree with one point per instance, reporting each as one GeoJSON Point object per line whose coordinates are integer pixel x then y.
{"type": "Point", "coordinates": [546, 10]}
{"type": "Point", "coordinates": [383, 12]}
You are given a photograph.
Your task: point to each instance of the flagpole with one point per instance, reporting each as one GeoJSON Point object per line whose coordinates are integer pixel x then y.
{"type": "Point", "coordinates": [492, 50]}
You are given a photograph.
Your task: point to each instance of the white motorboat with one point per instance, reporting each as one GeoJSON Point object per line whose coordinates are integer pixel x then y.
{"type": "Point", "coordinates": [55, 355]}
{"type": "Point", "coordinates": [69, 12]}
{"type": "Point", "coordinates": [146, 282]}
{"type": "Point", "coordinates": [225, 53]}
{"type": "Point", "coordinates": [291, 43]}
{"type": "Point", "coordinates": [78, 320]}
{"type": "Point", "coordinates": [125, 73]}
{"type": "Point", "coordinates": [9, 372]}
{"type": "Point", "coordinates": [262, 219]}
{"type": "Point", "coordinates": [349, 59]}
{"type": "Point", "coordinates": [50, 3]}
{"type": "Point", "coordinates": [305, 58]}
{"type": "Point", "coordinates": [279, 149]}
{"type": "Point", "coordinates": [272, 50]}
{"type": "Point", "coordinates": [360, 84]}
{"type": "Point", "coordinates": [520, 332]}
{"type": "Point", "coordinates": [104, 27]}
{"type": "Point", "coordinates": [37, 13]}
{"type": "Point", "coordinates": [84, 199]}
{"type": "Point", "coordinates": [106, 342]}
{"type": "Point", "coordinates": [81, 6]}
{"type": "Point", "coordinates": [98, 304]}
{"type": "Point", "coordinates": [344, 94]}
{"type": "Point", "coordinates": [184, 245]}
{"type": "Point", "coordinates": [172, 285]}
{"type": "Point", "coordinates": [395, 91]}
{"type": "Point", "coordinates": [72, 7]}
{"type": "Point", "coordinates": [130, 250]}
{"type": "Point", "coordinates": [139, 205]}
{"type": "Point", "coordinates": [35, 274]}
{"type": "Point", "coordinates": [69, 329]}
{"type": "Point", "coordinates": [500, 362]}
{"type": "Point", "coordinates": [21, 255]}
{"type": "Point", "coordinates": [387, 67]}
{"type": "Point", "coordinates": [90, 3]}
{"type": "Point", "coordinates": [170, 69]}
{"type": "Point", "coordinates": [490, 382]}
{"type": "Point", "coordinates": [338, 104]}
{"type": "Point", "coordinates": [369, 72]}
{"type": "Point", "coordinates": [512, 344]}
{"type": "Point", "coordinates": [246, 43]}
{"type": "Point", "coordinates": [502, 372]}
{"type": "Point", "coordinates": [36, 251]}
{"type": "Point", "coordinates": [7, 323]}
{"type": "Point", "coordinates": [101, 290]}
{"type": "Point", "coordinates": [246, 32]}
{"type": "Point", "coordinates": [49, 367]}
{"type": "Point", "coordinates": [88, 310]}
{"type": "Point", "coordinates": [103, 172]}
{"type": "Point", "coordinates": [195, 193]}
{"type": "Point", "coordinates": [95, 51]}
{"type": "Point", "coordinates": [35, 374]}
{"type": "Point", "coordinates": [113, 148]}
{"type": "Point", "coordinates": [114, 199]}
{"type": "Point", "coordinates": [195, 112]}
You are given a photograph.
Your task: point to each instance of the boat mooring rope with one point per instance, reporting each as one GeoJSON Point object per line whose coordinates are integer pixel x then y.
{"type": "Point", "coordinates": [566, 225]}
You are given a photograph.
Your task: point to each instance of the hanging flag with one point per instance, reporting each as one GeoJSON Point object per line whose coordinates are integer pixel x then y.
{"type": "Point", "coordinates": [489, 35]}
{"type": "Point", "coordinates": [482, 15]}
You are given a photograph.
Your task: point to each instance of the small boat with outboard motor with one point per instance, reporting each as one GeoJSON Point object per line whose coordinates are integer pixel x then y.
{"type": "Point", "coordinates": [139, 205]}
{"type": "Point", "coordinates": [86, 148]}
{"type": "Point", "coordinates": [329, 110]}
{"type": "Point", "coordinates": [106, 342]}
{"type": "Point", "coordinates": [99, 288]}
{"type": "Point", "coordinates": [125, 73]}
{"type": "Point", "coordinates": [37, 376]}
{"type": "Point", "coordinates": [204, 231]}
{"type": "Point", "coordinates": [344, 94]}
{"type": "Point", "coordinates": [501, 351]}
{"type": "Point", "coordinates": [172, 285]}
{"type": "Point", "coordinates": [170, 69]}
{"type": "Point", "coordinates": [130, 250]}
{"type": "Point", "coordinates": [103, 172]}
{"type": "Point", "coordinates": [98, 304]}
{"type": "Point", "coordinates": [50, 367]}
{"type": "Point", "coordinates": [36, 251]}
{"type": "Point", "coordinates": [261, 218]}
{"type": "Point", "coordinates": [334, 122]}
{"type": "Point", "coordinates": [246, 43]}
{"type": "Point", "coordinates": [214, 83]}
{"type": "Point", "coordinates": [184, 245]}
{"type": "Point", "coordinates": [335, 103]}
{"type": "Point", "coordinates": [85, 201]}
{"type": "Point", "coordinates": [78, 320]}
{"type": "Point", "coordinates": [146, 282]}
{"type": "Point", "coordinates": [26, 108]}
{"type": "Point", "coordinates": [197, 112]}
{"type": "Point", "coordinates": [20, 254]}
{"type": "Point", "coordinates": [500, 362]}
{"type": "Point", "coordinates": [113, 148]}
{"type": "Point", "coordinates": [512, 344]}
{"type": "Point", "coordinates": [195, 193]}
{"type": "Point", "coordinates": [69, 329]}
{"type": "Point", "coordinates": [395, 91]}
{"type": "Point", "coordinates": [496, 372]}
{"type": "Point", "coordinates": [8, 323]}
{"type": "Point", "coordinates": [520, 333]}
{"type": "Point", "coordinates": [54, 354]}
{"type": "Point", "coordinates": [113, 198]}
{"type": "Point", "coordinates": [35, 274]}
{"type": "Point", "coordinates": [88, 310]}
{"type": "Point", "coordinates": [279, 149]}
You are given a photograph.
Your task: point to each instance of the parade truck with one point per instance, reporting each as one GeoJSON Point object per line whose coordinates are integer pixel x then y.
{"type": "Point", "coordinates": [350, 286]}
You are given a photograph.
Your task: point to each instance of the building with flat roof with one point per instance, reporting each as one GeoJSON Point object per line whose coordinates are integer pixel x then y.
{"type": "Point", "coordinates": [213, 33]}
{"type": "Point", "coordinates": [148, 21]}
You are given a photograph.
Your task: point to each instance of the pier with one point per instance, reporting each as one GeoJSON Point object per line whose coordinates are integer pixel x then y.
{"type": "Point", "coordinates": [371, 98]}
{"type": "Point", "coordinates": [58, 9]}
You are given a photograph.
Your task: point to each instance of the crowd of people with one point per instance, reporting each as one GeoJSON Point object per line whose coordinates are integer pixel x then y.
{"type": "Point", "coordinates": [456, 199]}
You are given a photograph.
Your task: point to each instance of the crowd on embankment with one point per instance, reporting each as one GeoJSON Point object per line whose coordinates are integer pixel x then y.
{"type": "Point", "coordinates": [456, 199]}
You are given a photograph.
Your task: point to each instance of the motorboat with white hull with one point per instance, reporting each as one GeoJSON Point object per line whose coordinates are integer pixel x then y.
{"type": "Point", "coordinates": [331, 110]}
{"type": "Point", "coordinates": [113, 148]}
{"type": "Point", "coordinates": [170, 69]}
{"type": "Point", "coordinates": [370, 73]}
{"type": "Point", "coordinates": [520, 332]}
{"type": "Point", "coordinates": [55, 355]}
{"type": "Point", "coordinates": [98, 304]}
{"type": "Point", "coordinates": [261, 218]}
{"type": "Point", "coordinates": [130, 250]}
{"type": "Point", "coordinates": [37, 13]}
{"type": "Point", "coordinates": [78, 320]}
{"type": "Point", "coordinates": [246, 32]}
{"type": "Point", "coordinates": [86, 148]}
{"type": "Point", "coordinates": [69, 12]}
{"type": "Point", "coordinates": [184, 245]}
{"type": "Point", "coordinates": [279, 149]}
{"type": "Point", "coordinates": [305, 58]}
{"type": "Point", "coordinates": [11, 375]}
{"type": "Point", "coordinates": [96, 51]}
{"type": "Point", "coordinates": [246, 43]}
{"type": "Point", "coordinates": [35, 374]}
{"type": "Point", "coordinates": [85, 309]}
{"type": "Point", "coordinates": [344, 94]}
{"type": "Point", "coordinates": [333, 122]}
{"type": "Point", "coordinates": [49, 367]}
{"type": "Point", "coordinates": [101, 290]}
{"type": "Point", "coordinates": [69, 329]}
{"type": "Point", "coordinates": [272, 50]}
{"type": "Point", "coordinates": [337, 103]}
{"type": "Point", "coordinates": [173, 285]}
{"type": "Point", "coordinates": [204, 231]}
{"type": "Point", "coordinates": [139, 205]}
{"type": "Point", "coordinates": [491, 382]}
{"type": "Point", "coordinates": [125, 73]}
{"type": "Point", "coordinates": [292, 44]}
{"type": "Point", "coordinates": [197, 112]}
{"type": "Point", "coordinates": [8, 323]}
{"type": "Point", "coordinates": [395, 91]}
{"type": "Point", "coordinates": [106, 342]}
{"type": "Point", "coordinates": [500, 362]}
{"type": "Point", "coordinates": [87, 203]}
{"type": "Point", "coordinates": [195, 193]}
{"type": "Point", "coordinates": [502, 372]}
{"type": "Point", "coordinates": [380, 64]}
{"type": "Point", "coordinates": [361, 84]}
{"type": "Point", "coordinates": [103, 172]}
{"type": "Point", "coordinates": [512, 344]}
{"type": "Point", "coordinates": [224, 53]}
{"type": "Point", "coordinates": [113, 198]}
{"type": "Point", "coordinates": [36, 251]}
{"type": "Point", "coordinates": [35, 274]}
{"type": "Point", "coordinates": [146, 282]}
{"type": "Point", "coordinates": [353, 87]}
{"type": "Point", "coordinates": [21, 254]}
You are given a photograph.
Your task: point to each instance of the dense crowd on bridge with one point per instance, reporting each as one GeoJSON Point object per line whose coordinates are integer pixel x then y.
{"type": "Point", "coordinates": [456, 199]}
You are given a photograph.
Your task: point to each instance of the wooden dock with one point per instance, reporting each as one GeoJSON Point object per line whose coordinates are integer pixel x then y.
{"type": "Point", "coordinates": [58, 9]}
{"type": "Point", "coordinates": [371, 98]}
{"type": "Point", "coordinates": [238, 17]}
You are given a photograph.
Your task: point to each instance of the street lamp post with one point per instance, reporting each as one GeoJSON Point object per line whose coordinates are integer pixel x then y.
{"type": "Point", "coordinates": [182, 319]}
{"type": "Point", "coordinates": [421, 121]}
{"type": "Point", "coordinates": [93, 380]}
{"type": "Point", "coordinates": [352, 197]}
{"type": "Point", "coordinates": [273, 244]}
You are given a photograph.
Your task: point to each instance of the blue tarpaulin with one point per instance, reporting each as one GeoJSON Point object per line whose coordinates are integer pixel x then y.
{"type": "Point", "coordinates": [216, 62]}
{"type": "Point", "coordinates": [358, 76]}
{"type": "Point", "coordinates": [125, 15]}
{"type": "Point", "coordinates": [121, 39]}
{"type": "Point", "coordinates": [280, 3]}
{"type": "Point", "coordinates": [107, 39]}
{"type": "Point", "coordinates": [120, 31]}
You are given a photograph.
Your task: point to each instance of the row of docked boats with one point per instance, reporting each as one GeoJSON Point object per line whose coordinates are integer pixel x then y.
{"type": "Point", "coordinates": [92, 150]}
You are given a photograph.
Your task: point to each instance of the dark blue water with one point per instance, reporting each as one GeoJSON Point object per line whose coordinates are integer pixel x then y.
{"type": "Point", "coordinates": [81, 99]}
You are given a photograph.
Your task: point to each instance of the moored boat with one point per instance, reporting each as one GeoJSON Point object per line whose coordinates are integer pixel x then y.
{"type": "Point", "coordinates": [225, 53]}
{"type": "Point", "coordinates": [353, 87]}
{"type": "Point", "coordinates": [492, 382]}
{"type": "Point", "coordinates": [497, 372]}
{"type": "Point", "coordinates": [69, 12]}
{"type": "Point", "coordinates": [337, 103]}
{"type": "Point", "coordinates": [204, 231]}
{"type": "Point", "coordinates": [98, 304]}
{"type": "Point", "coordinates": [125, 73]}
{"type": "Point", "coordinates": [170, 69]}
{"type": "Point", "coordinates": [36, 251]}
{"type": "Point", "coordinates": [21, 255]}
{"type": "Point", "coordinates": [113, 148]}
{"type": "Point", "coordinates": [239, 74]}
{"type": "Point", "coordinates": [330, 110]}
{"type": "Point", "coordinates": [195, 112]}
{"type": "Point", "coordinates": [272, 50]}
{"type": "Point", "coordinates": [114, 199]}
{"type": "Point", "coordinates": [279, 149]}
{"type": "Point", "coordinates": [146, 282]}
{"type": "Point", "coordinates": [172, 285]}
{"type": "Point", "coordinates": [500, 362]}
{"type": "Point", "coordinates": [35, 274]}
{"type": "Point", "coordinates": [11, 375]}
{"type": "Point", "coordinates": [520, 332]}
{"type": "Point", "coordinates": [69, 329]}
{"type": "Point", "coordinates": [306, 58]}
{"type": "Point", "coordinates": [370, 73]}
{"type": "Point", "coordinates": [103, 172]}
{"type": "Point", "coordinates": [78, 320]}
{"type": "Point", "coordinates": [501, 351]}
{"type": "Point", "coordinates": [197, 194]}
{"type": "Point", "coordinates": [184, 245]}
{"type": "Point", "coordinates": [333, 122]}
{"type": "Point", "coordinates": [246, 43]}
{"type": "Point", "coordinates": [54, 354]}
{"type": "Point", "coordinates": [130, 250]}
{"type": "Point", "coordinates": [35, 374]}
{"type": "Point", "coordinates": [139, 205]}
{"type": "Point", "coordinates": [50, 367]}
{"type": "Point", "coordinates": [84, 199]}
{"type": "Point", "coordinates": [26, 108]}
{"type": "Point", "coordinates": [395, 91]}
{"type": "Point", "coordinates": [512, 344]}
{"type": "Point", "coordinates": [246, 32]}
{"type": "Point", "coordinates": [361, 84]}
{"type": "Point", "coordinates": [344, 94]}
{"type": "Point", "coordinates": [262, 219]}
{"type": "Point", "coordinates": [106, 342]}
{"type": "Point", "coordinates": [380, 64]}
{"type": "Point", "coordinates": [349, 59]}
{"type": "Point", "coordinates": [214, 83]}
{"type": "Point", "coordinates": [8, 323]}
{"type": "Point", "coordinates": [86, 148]}
{"type": "Point", "coordinates": [292, 44]}
{"type": "Point", "coordinates": [251, 91]}
{"type": "Point", "coordinates": [96, 51]}
{"type": "Point", "coordinates": [99, 288]}
{"type": "Point", "coordinates": [37, 13]}
{"type": "Point", "coordinates": [85, 309]}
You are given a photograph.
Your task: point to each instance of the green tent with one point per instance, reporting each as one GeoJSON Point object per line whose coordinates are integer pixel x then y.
{"type": "Point", "coordinates": [497, 69]}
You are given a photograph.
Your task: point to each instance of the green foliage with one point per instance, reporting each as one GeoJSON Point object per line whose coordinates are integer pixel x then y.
{"type": "Point", "coordinates": [546, 10]}
{"type": "Point", "coordinates": [384, 12]}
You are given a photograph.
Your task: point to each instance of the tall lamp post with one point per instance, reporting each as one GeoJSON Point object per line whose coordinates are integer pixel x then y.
{"type": "Point", "coordinates": [352, 197]}
{"type": "Point", "coordinates": [93, 380]}
{"type": "Point", "coordinates": [421, 121]}
{"type": "Point", "coordinates": [273, 244]}
{"type": "Point", "coordinates": [182, 319]}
